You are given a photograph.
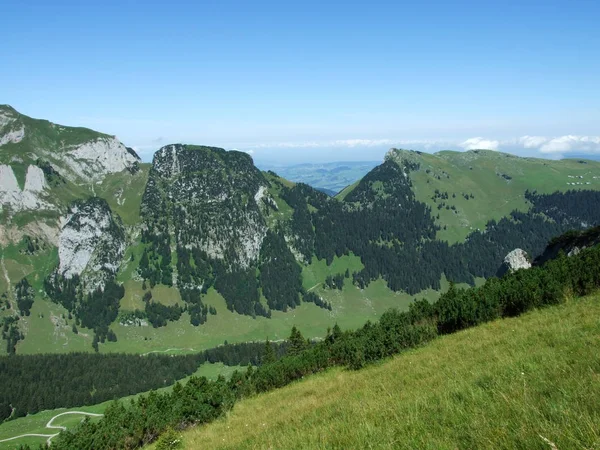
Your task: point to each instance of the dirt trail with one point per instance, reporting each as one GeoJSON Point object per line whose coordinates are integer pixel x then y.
{"type": "Point", "coordinates": [168, 350]}
{"type": "Point", "coordinates": [318, 284]}
{"type": "Point", "coordinates": [55, 427]}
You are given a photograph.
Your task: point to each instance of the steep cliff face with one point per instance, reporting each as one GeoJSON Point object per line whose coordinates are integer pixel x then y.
{"type": "Point", "coordinates": [92, 161]}
{"type": "Point", "coordinates": [91, 243]}
{"type": "Point", "coordinates": [209, 199]}
{"type": "Point", "coordinates": [33, 196]}
{"type": "Point", "coordinates": [205, 215]}
{"type": "Point", "coordinates": [45, 166]}
{"type": "Point", "coordinates": [79, 154]}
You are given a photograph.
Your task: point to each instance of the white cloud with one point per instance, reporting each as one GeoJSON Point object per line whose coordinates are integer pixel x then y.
{"type": "Point", "coordinates": [532, 141]}
{"type": "Point", "coordinates": [572, 143]}
{"type": "Point", "coordinates": [353, 143]}
{"type": "Point", "coordinates": [362, 142]}
{"type": "Point", "coordinates": [480, 143]}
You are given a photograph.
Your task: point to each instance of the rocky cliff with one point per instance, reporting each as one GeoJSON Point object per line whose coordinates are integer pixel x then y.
{"type": "Point", "coordinates": [91, 243]}
{"type": "Point", "coordinates": [209, 199]}
{"type": "Point", "coordinates": [33, 195]}
{"type": "Point", "coordinates": [31, 150]}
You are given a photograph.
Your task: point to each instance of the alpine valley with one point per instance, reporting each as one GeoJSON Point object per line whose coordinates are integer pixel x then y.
{"type": "Point", "coordinates": [101, 252]}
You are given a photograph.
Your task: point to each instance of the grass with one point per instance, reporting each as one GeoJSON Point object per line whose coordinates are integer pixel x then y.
{"type": "Point", "coordinates": [495, 197]}
{"type": "Point", "coordinates": [514, 383]}
{"type": "Point", "coordinates": [351, 308]}
{"type": "Point", "coordinates": [124, 192]}
{"type": "Point", "coordinates": [36, 423]}
{"type": "Point", "coordinates": [48, 329]}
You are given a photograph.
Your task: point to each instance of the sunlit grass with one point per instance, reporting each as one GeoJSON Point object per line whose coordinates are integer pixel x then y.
{"type": "Point", "coordinates": [513, 383]}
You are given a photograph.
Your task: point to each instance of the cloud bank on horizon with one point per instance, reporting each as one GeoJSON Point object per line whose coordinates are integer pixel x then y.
{"type": "Point", "coordinates": [553, 147]}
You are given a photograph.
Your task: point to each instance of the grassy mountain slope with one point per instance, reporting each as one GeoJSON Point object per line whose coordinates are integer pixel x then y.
{"type": "Point", "coordinates": [39, 134]}
{"type": "Point", "coordinates": [512, 383]}
{"type": "Point", "coordinates": [496, 180]}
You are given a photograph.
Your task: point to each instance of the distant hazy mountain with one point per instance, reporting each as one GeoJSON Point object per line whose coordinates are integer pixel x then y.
{"type": "Point", "coordinates": [330, 178]}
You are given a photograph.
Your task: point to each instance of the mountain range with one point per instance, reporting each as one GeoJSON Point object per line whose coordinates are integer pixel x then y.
{"type": "Point", "coordinates": [102, 251]}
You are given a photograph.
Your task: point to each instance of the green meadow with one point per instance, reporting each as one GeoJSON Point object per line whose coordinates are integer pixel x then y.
{"type": "Point", "coordinates": [526, 382]}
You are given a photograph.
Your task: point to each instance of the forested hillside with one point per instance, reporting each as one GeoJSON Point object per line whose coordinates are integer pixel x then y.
{"type": "Point", "coordinates": [201, 247]}
{"type": "Point", "coordinates": [201, 401]}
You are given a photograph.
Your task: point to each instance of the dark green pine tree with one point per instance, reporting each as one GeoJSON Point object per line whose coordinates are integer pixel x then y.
{"type": "Point", "coordinates": [269, 354]}
{"type": "Point", "coordinates": [297, 342]}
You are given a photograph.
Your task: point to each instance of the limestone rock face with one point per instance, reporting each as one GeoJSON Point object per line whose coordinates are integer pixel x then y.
{"type": "Point", "coordinates": [31, 197]}
{"type": "Point", "coordinates": [515, 260]}
{"type": "Point", "coordinates": [211, 200]}
{"type": "Point", "coordinates": [91, 243]}
{"type": "Point", "coordinates": [93, 160]}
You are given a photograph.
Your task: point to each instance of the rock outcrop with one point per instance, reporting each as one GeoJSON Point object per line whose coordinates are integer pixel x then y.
{"type": "Point", "coordinates": [570, 244]}
{"type": "Point", "coordinates": [91, 243]}
{"type": "Point", "coordinates": [31, 197]}
{"type": "Point", "coordinates": [211, 199]}
{"type": "Point", "coordinates": [93, 160]}
{"type": "Point", "coordinates": [515, 260]}
{"type": "Point", "coordinates": [80, 154]}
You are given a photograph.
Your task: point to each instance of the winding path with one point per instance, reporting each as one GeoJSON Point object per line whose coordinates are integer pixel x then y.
{"type": "Point", "coordinates": [168, 350]}
{"type": "Point", "coordinates": [318, 284]}
{"type": "Point", "coordinates": [55, 427]}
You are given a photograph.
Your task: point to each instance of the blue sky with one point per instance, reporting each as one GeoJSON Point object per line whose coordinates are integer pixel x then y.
{"type": "Point", "coordinates": [308, 81]}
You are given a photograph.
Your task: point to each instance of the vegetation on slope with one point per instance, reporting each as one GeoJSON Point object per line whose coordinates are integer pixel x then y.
{"type": "Point", "coordinates": [494, 182]}
{"type": "Point", "coordinates": [32, 383]}
{"type": "Point", "coordinates": [384, 226]}
{"type": "Point", "coordinates": [21, 427]}
{"type": "Point", "coordinates": [201, 401]}
{"type": "Point", "coordinates": [525, 382]}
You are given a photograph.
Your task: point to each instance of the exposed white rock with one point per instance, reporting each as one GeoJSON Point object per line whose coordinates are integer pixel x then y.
{"type": "Point", "coordinates": [8, 181]}
{"type": "Point", "coordinates": [260, 194]}
{"type": "Point", "coordinates": [5, 119]}
{"type": "Point", "coordinates": [515, 260]}
{"type": "Point", "coordinates": [13, 136]}
{"type": "Point", "coordinates": [35, 181]}
{"type": "Point", "coordinates": [93, 160]}
{"type": "Point", "coordinates": [90, 243]}
{"type": "Point", "coordinates": [31, 197]}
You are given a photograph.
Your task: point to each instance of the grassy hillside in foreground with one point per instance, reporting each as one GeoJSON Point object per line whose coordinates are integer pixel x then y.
{"type": "Point", "coordinates": [36, 423]}
{"type": "Point", "coordinates": [512, 383]}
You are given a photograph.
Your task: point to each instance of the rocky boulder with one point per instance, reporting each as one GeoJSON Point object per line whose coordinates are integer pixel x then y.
{"type": "Point", "coordinates": [514, 260]}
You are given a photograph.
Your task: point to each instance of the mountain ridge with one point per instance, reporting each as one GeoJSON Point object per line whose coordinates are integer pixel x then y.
{"type": "Point", "coordinates": [202, 235]}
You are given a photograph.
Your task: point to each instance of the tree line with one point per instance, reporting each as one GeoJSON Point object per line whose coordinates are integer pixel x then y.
{"type": "Point", "coordinates": [200, 401]}
{"type": "Point", "coordinates": [33, 383]}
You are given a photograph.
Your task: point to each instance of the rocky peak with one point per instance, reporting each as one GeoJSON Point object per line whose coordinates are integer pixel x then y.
{"type": "Point", "coordinates": [93, 160]}
{"type": "Point", "coordinates": [514, 260]}
{"type": "Point", "coordinates": [210, 199]}
{"type": "Point", "coordinates": [408, 160]}
{"type": "Point", "coordinates": [12, 130]}
{"type": "Point", "coordinates": [79, 154]}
